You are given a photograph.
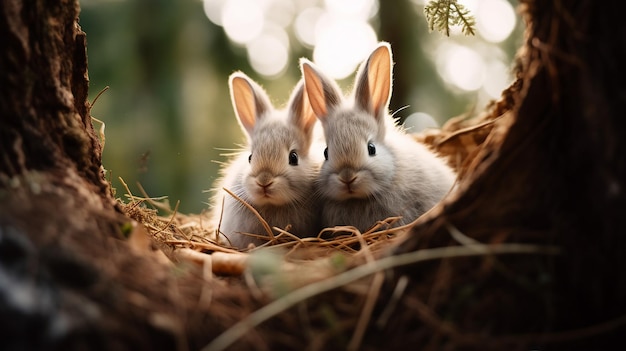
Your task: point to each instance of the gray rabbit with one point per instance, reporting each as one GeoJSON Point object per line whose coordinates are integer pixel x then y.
{"type": "Point", "coordinates": [275, 173]}
{"type": "Point", "coordinates": [373, 169]}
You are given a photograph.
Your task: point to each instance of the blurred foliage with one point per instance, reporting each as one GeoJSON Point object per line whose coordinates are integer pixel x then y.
{"type": "Point", "coordinates": [168, 113]}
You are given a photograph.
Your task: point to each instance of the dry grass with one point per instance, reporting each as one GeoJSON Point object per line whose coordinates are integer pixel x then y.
{"type": "Point", "coordinates": [290, 270]}
{"type": "Point", "coordinates": [179, 234]}
{"type": "Point", "coordinates": [457, 141]}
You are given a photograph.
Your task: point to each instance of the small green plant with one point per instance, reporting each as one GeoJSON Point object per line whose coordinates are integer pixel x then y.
{"type": "Point", "coordinates": [441, 14]}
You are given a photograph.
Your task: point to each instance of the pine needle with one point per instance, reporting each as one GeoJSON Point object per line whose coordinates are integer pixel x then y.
{"type": "Point", "coordinates": [441, 14]}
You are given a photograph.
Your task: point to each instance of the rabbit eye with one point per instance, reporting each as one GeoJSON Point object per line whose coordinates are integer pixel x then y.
{"type": "Point", "coordinates": [250, 158]}
{"type": "Point", "coordinates": [371, 149]}
{"type": "Point", "coordinates": [293, 158]}
{"type": "Point", "coordinates": [326, 154]}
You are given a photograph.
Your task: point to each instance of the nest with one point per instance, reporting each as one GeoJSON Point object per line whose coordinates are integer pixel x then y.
{"type": "Point", "coordinates": [289, 271]}
{"type": "Point", "coordinates": [337, 257]}
{"type": "Point", "coordinates": [193, 236]}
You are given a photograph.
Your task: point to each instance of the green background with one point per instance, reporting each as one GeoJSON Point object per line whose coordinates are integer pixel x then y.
{"type": "Point", "coordinates": [168, 113]}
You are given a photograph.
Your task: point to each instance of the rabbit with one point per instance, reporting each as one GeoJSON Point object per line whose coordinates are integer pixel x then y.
{"type": "Point", "coordinates": [373, 169]}
{"type": "Point", "coordinates": [274, 173]}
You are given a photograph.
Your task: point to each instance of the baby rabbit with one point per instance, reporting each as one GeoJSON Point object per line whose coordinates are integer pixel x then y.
{"type": "Point", "coordinates": [373, 170]}
{"type": "Point", "coordinates": [275, 173]}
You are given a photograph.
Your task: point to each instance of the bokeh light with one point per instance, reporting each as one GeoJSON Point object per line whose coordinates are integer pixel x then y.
{"type": "Point", "coordinates": [280, 12]}
{"type": "Point", "coordinates": [476, 64]}
{"type": "Point", "coordinates": [419, 121]}
{"type": "Point", "coordinates": [305, 25]}
{"type": "Point", "coordinates": [338, 30]}
{"type": "Point", "coordinates": [168, 66]}
{"type": "Point", "coordinates": [213, 10]}
{"type": "Point", "coordinates": [461, 66]}
{"type": "Point", "coordinates": [495, 20]}
{"type": "Point", "coordinates": [341, 44]}
{"type": "Point", "coordinates": [242, 20]}
{"type": "Point", "coordinates": [268, 55]}
{"type": "Point", "coordinates": [358, 9]}
{"type": "Point", "coordinates": [498, 78]}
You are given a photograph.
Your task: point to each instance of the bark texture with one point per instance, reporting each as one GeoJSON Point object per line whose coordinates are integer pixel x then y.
{"type": "Point", "coordinates": [556, 176]}
{"type": "Point", "coordinates": [66, 280]}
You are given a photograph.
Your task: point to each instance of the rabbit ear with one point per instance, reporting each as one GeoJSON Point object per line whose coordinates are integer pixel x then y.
{"type": "Point", "coordinates": [373, 82]}
{"type": "Point", "coordinates": [323, 93]}
{"type": "Point", "coordinates": [249, 100]}
{"type": "Point", "coordinates": [300, 112]}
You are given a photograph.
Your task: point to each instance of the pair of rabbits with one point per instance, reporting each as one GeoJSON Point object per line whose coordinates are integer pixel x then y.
{"type": "Point", "coordinates": [366, 170]}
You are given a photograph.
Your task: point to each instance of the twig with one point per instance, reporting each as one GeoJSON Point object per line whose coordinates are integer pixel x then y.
{"type": "Point", "coordinates": [460, 237]}
{"type": "Point", "coordinates": [256, 213]}
{"type": "Point", "coordinates": [170, 221]}
{"type": "Point", "coordinates": [370, 301]}
{"type": "Point", "coordinates": [470, 129]}
{"type": "Point", "coordinates": [219, 224]}
{"type": "Point", "coordinates": [401, 285]}
{"type": "Point", "coordinates": [102, 124]}
{"type": "Point", "coordinates": [206, 292]}
{"type": "Point", "coordinates": [208, 246]}
{"type": "Point", "coordinates": [151, 201]}
{"type": "Point", "coordinates": [131, 196]}
{"type": "Point", "coordinates": [240, 329]}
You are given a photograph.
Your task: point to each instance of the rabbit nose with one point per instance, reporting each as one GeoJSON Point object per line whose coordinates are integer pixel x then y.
{"type": "Point", "coordinates": [264, 184]}
{"type": "Point", "coordinates": [264, 179]}
{"type": "Point", "coordinates": [347, 176]}
{"type": "Point", "coordinates": [348, 181]}
{"type": "Point", "coordinates": [265, 187]}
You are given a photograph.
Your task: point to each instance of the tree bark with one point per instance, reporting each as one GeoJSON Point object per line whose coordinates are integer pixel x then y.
{"type": "Point", "coordinates": [46, 122]}
{"type": "Point", "coordinates": [556, 176]}
{"type": "Point", "coordinates": [66, 280]}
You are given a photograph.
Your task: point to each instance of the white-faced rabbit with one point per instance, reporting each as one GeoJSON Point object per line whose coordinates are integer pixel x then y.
{"type": "Point", "coordinates": [373, 169]}
{"type": "Point", "coordinates": [274, 173]}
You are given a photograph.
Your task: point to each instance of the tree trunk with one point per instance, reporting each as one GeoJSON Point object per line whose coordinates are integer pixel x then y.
{"type": "Point", "coordinates": [66, 280]}
{"type": "Point", "coordinates": [552, 171]}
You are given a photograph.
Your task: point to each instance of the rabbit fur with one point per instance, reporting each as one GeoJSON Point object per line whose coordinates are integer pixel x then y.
{"type": "Point", "coordinates": [274, 173]}
{"type": "Point", "coordinates": [373, 170]}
